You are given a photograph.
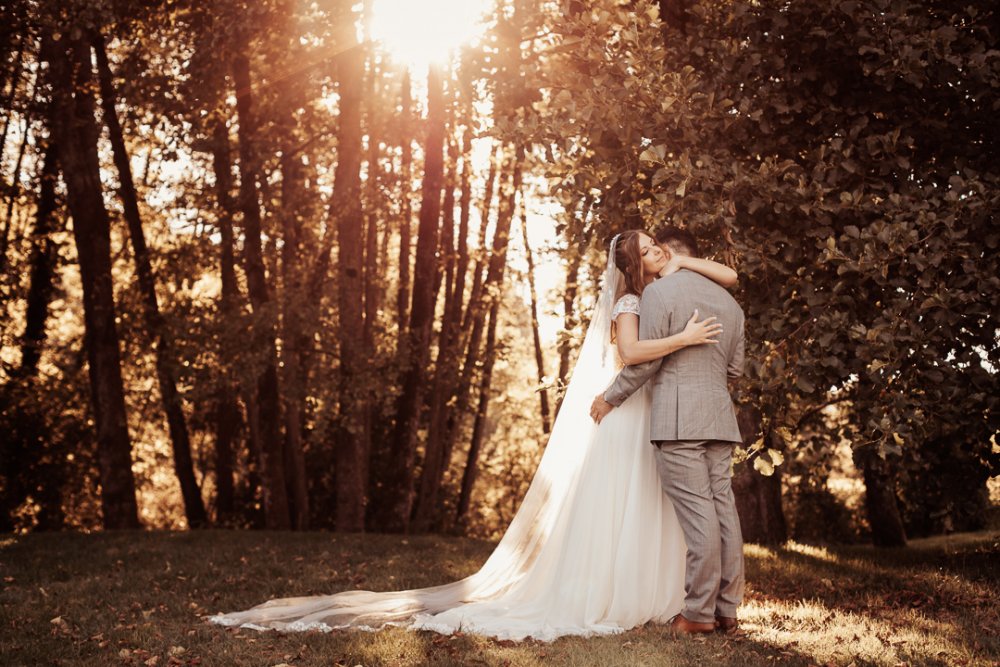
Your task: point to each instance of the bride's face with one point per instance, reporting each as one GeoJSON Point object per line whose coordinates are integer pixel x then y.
{"type": "Point", "coordinates": [653, 258]}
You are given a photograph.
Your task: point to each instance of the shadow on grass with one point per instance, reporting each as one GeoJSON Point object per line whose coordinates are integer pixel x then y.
{"type": "Point", "coordinates": [132, 597]}
{"type": "Point", "coordinates": [934, 603]}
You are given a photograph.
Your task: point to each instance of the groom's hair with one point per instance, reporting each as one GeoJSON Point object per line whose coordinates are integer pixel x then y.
{"type": "Point", "coordinates": [680, 240]}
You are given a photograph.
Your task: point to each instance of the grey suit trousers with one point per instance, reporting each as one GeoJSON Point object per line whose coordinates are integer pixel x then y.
{"type": "Point", "coordinates": [697, 477]}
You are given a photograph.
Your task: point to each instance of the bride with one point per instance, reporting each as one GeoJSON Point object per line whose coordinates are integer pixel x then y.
{"type": "Point", "coordinates": [595, 547]}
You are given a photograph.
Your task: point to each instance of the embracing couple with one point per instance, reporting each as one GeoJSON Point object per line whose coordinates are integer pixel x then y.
{"type": "Point", "coordinates": [613, 532]}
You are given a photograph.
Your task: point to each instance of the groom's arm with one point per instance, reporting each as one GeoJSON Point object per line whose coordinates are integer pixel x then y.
{"type": "Point", "coordinates": [654, 322]}
{"type": "Point", "coordinates": [737, 358]}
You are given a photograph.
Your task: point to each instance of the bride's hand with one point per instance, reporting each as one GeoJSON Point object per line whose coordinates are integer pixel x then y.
{"type": "Point", "coordinates": [674, 264]}
{"type": "Point", "coordinates": [697, 333]}
{"type": "Point", "coordinates": [600, 408]}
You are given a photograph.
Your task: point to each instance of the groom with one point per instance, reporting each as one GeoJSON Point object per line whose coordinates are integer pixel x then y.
{"type": "Point", "coordinates": [693, 427]}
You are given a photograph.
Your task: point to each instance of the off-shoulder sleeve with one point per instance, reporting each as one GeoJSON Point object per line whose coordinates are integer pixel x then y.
{"type": "Point", "coordinates": [627, 304]}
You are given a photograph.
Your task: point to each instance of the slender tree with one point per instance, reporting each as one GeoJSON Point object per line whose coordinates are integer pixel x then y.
{"type": "Point", "coordinates": [159, 333]}
{"type": "Point", "coordinates": [436, 456]}
{"type": "Point", "coordinates": [395, 507]}
{"type": "Point", "coordinates": [268, 400]}
{"type": "Point", "coordinates": [15, 183]}
{"type": "Point", "coordinates": [8, 103]}
{"type": "Point", "coordinates": [572, 286]}
{"type": "Point", "coordinates": [42, 264]}
{"type": "Point", "coordinates": [475, 296]}
{"type": "Point", "coordinates": [227, 411]}
{"type": "Point", "coordinates": [405, 218]}
{"type": "Point", "coordinates": [543, 395]}
{"type": "Point", "coordinates": [346, 210]}
{"type": "Point", "coordinates": [12, 194]}
{"type": "Point", "coordinates": [374, 282]}
{"type": "Point", "coordinates": [75, 131]}
{"type": "Point", "coordinates": [494, 289]}
{"type": "Point", "coordinates": [293, 211]}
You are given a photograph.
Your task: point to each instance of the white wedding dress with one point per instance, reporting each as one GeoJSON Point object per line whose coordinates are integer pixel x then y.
{"type": "Point", "coordinates": [595, 547]}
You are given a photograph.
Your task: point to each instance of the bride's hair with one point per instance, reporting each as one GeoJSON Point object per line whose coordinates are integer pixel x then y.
{"type": "Point", "coordinates": [628, 260]}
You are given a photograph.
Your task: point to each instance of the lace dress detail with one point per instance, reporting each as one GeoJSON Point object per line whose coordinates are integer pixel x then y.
{"type": "Point", "coordinates": [627, 304]}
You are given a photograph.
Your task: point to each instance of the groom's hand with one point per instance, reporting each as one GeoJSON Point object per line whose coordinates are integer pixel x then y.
{"type": "Point", "coordinates": [600, 408]}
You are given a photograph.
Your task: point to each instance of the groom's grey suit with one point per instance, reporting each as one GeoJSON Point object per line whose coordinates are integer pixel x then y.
{"type": "Point", "coordinates": [693, 425]}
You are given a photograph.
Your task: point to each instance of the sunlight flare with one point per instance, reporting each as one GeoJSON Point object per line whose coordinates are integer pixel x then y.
{"type": "Point", "coordinates": [420, 33]}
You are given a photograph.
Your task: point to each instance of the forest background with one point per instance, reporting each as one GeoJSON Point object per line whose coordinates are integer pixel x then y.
{"type": "Point", "coordinates": [260, 268]}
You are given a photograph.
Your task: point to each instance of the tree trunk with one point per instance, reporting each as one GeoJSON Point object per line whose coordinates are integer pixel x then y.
{"type": "Point", "coordinates": [406, 177]}
{"type": "Point", "coordinates": [15, 186]}
{"type": "Point", "coordinates": [194, 508]}
{"type": "Point", "coordinates": [15, 183]}
{"type": "Point", "coordinates": [473, 319]}
{"type": "Point", "coordinates": [564, 345]}
{"type": "Point", "coordinates": [396, 504]}
{"type": "Point", "coordinates": [479, 426]}
{"type": "Point", "coordinates": [673, 13]}
{"type": "Point", "coordinates": [446, 253]}
{"type": "Point", "coordinates": [758, 498]}
{"type": "Point", "coordinates": [436, 456]}
{"type": "Point", "coordinates": [464, 207]}
{"type": "Point", "coordinates": [42, 265]}
{"type": "Point", "coordinates": [294, 337]}
{"type": "Point", "coordinates": [75, 131]}
{"type": "Point", "coordinates": [476, 314]}
{"type": "Point", "coordinates": [253, 488]}
{"type": "Point", "coordinates": [475, 296]}
{"type": "Point", "coordinates": [493, 286]}
{"type": "Point", "coordinates": [880, 499]}
{"type": "Point", "coordinates": [296, 332]}
{"type": "Point", "coordinates": [345, 208]}
{"type": "Point", "coordinates": [26, 465]}
{"type": "Point", "coordinates": [227, 413]}
{"type": "Point", "coordinates": [543, 394]}
{"type": "Point", "coordinates": [276, 509]}
{"type": "Point", "coordinates": [8, 103]}
{"type": "Point", "coordinates": [374, 285]}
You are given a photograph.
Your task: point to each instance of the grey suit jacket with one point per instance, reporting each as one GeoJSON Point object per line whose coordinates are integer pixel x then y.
{"type": "Point", "coordinates": [690, 392]}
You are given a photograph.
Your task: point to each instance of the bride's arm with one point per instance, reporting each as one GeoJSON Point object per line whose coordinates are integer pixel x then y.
{"type": "Point", "coordinates": [712, 270]}
{"type": "Point", "coordinates": [634, 351]}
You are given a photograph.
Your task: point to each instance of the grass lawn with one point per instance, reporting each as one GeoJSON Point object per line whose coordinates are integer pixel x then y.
{"type": "Point", "coordinates": [137, 598]}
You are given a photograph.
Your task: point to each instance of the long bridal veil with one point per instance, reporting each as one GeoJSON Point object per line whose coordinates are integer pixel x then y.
{"type": "Point", "coordinates": [541, 519]}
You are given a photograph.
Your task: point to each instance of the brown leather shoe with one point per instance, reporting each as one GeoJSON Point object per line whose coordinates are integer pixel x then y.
{"type": "Point", "coordinates": [680, 625]}
{"type": "Point", "coordinates": [726, 624]}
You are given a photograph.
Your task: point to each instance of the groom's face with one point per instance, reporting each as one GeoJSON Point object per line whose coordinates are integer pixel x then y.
{"type": "Point", "coordinates": [666, 250]}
